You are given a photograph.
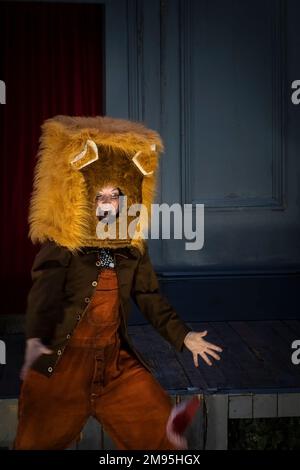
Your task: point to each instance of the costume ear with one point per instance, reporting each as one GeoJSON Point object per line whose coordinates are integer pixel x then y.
{"type": "Point", "coordinates": [142, 161]}
{"type": "Point", "coordinates": [88, 155]}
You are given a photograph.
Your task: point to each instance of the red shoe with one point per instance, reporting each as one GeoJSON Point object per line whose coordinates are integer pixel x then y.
{"type": "Point", "coordinates": [180, 418]}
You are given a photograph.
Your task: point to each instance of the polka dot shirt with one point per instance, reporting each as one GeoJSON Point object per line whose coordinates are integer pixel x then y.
{"type": "Point", "coordinates": [106, 258]}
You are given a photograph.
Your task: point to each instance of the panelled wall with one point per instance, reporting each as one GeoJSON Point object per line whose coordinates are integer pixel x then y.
{"type": "Point", "coordinates": [214, 78]}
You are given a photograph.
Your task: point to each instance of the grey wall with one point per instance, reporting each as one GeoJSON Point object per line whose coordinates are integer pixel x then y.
{"type": "Point", "coordinates": [214, 78]}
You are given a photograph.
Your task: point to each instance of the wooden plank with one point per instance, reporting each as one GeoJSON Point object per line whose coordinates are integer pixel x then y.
{"type": "Point", "coordinates": [280, 352]}
{"type": "Point", "coordinates": [168, 371]}
{"type": "Point", "coordinates": [195, 375]}
{"type": "Point", "coordinates": [242, 367]}
{"type": "Point", "coordinates": [237, 374]}
{"type": "Point", "coordinates": [288, 404]}
{"type": "Point", "coordinates": [287, 334]}
{"type": "Point", "coordinates": [284, 331]}
{"type": "Point", "coordinates": [252, 406]}
{"type": "Point", "coordinates": [217, 430]}
{"type": "Point", "coordinates": [8, 421]}
{"type": "Point", "coordinates": [265, 406]}
{"type": "Point", "coordinates": [186, 367]}
{"type": "Point", "coordinates": [253, 376]}
{"type": "Point", "coordinates": [261, 347]}
{"type": "Point", "coordinates": [240, 406]}
{"type": "Point", "coordinates": [226, 367]}
{"type": "Point", "coordinates": [294, 325]}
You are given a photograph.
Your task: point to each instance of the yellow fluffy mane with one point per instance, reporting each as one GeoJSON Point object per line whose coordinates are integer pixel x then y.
{"type": "Point", "coordinates": [62, 200]}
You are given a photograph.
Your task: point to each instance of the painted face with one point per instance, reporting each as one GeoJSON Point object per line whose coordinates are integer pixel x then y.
{"type": "Point", "coordinates": [107, 201]}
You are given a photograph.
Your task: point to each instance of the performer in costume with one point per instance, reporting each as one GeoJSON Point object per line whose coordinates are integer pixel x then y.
{"type": "Point", "coordinates": [79, 359]}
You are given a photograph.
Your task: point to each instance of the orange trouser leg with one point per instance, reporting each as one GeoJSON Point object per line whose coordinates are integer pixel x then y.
{"type": "Point", "coordinates": [132, 406]}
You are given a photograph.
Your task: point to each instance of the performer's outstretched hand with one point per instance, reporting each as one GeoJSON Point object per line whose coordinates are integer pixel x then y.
{"type": "Point", "coordinates": [197, 345]}
{"type": "Point", "coordinates": [34, 348]}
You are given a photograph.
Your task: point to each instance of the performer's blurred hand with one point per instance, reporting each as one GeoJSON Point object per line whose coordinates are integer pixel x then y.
{"type": "Point", "coordinates": [179, 420]}
{"type": "Point", "coordinates": [34, 348]}
{"type": "Point", "coordinates": [197, 345]}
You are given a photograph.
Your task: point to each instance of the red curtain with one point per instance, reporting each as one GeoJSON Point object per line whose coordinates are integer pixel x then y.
{"type": "Point", "coordinates": [51, 60]}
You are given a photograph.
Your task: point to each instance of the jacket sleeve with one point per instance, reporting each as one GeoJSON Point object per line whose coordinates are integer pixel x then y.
{"type": "Point", "coordinates": [45, 298]}
{"type": "Point", "coordinates": [155, 307]}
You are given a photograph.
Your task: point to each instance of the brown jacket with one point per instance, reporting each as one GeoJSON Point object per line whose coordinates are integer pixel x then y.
{"type": "Point", "coordinates": [64, 283]}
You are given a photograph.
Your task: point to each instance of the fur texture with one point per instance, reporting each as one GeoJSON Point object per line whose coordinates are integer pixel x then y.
{"type": "Point", "coordinates": [62, 201]}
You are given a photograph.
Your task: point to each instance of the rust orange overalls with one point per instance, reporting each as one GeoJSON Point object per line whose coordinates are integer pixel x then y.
{"type": "Point", "coordinates": [97, 377]}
